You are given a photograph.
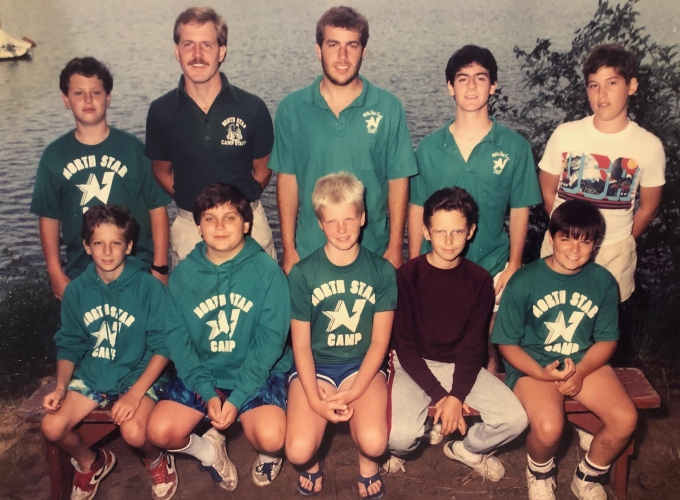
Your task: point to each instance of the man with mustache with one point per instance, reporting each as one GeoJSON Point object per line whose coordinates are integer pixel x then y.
{"type": "Point", "coordinates": [342, 122]}
{"type": "Point", "coordinates": [208, 130]}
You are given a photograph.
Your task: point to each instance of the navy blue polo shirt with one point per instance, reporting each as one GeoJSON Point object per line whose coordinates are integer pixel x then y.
{"type": "Point", "coordinates": [215, 147]}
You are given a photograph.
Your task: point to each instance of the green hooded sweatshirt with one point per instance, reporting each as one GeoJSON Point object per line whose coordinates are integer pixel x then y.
{"type": "Point", "coordinates": [234, 321]}
{"type": "Point", "coordinates": [111, 331]}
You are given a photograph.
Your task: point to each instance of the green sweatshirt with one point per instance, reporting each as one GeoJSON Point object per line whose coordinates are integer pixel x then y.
{"type": "Point", "coordinates": [111, 331]}
{"type": "Point", "coordinates": [234, 322]}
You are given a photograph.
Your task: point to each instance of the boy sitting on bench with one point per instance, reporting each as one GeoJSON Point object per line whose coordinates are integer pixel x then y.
{"type": "Point", "coordinates": [557, 327]}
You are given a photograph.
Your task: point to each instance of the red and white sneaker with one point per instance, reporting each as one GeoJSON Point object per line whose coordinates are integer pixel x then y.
{"type": "Point", "coordinates": [86, 484]}
{"type": "Point", "coordinates": [164, 477]}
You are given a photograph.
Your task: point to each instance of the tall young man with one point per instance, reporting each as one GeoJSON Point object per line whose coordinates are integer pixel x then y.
{"type": "Point", "coordinates": [95, 164]}
{"type": "Point", "coordinates": [491, 162]}
{"type": "Point", "coordinates": [342, 122]}
{"type": "Point", "coordinates": [208, 130]}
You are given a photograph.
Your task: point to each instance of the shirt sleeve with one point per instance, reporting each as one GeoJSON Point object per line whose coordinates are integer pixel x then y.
{"type": "Point", "coordinates": [263, 137]}
{"type": "Point", "coordinates": [525, 190]}
{"type": "Point", "coordinates": [654, 172]}
{"type": "Point", "coordinates": [418, 186]}
{"type": "Point", "coordinates": [472, 348]}
{"type": "Point", "coordinates": [606, 325]}
{"type": "Point", "coordinates": [156, 147]}
{"type": "Point", "coordinates": [268, 342]}
{"type": "Point", "coordinates": [300, 296]}
{"type": "Point", "coordinates": [405, 340]}
{"type": "Point", "coordinates": [71, 340]}
{"type": "Point", "coordinates": [46, 201]}
{"type": "Point", "coordinates": [282, 159]}
{"type": "Point", "coordinates": [155, 324]}
{"type": "Point", "coordinates": [511, 318]}
{"type": "Point", "coordinates": [154, 195]}
{"type": "Point", "coordinates": [551, 162]}
{"type": "Point", "coordinates": [387, 292]}
{"type": "Point", "coordinates": [401, 160]}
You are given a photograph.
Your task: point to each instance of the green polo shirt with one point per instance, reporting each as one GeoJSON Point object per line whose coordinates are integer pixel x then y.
{"type": "Point", "coordinates": [499, 174]}
{"type": "Point", "coordinates": [215, 147]}
{"type": "Point", "coordinates": [369, 139]}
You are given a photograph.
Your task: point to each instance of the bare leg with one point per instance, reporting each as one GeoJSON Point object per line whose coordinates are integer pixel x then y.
{"type": "Point", "coordinates": [605, 396]}
{"type": "Point", "coordinates": [265, 428]}
{"type": "Point", "coordinates": [368, 426]}
{"type": "Point", "coordinates": [305, 429]}
{"type": "Point", "coordinates": [544, 406]}
{"type": "Point", "coordinates": [170, 425]}
{"type": "Point", "coordinates": [134, 430]}
{"type": "Point", "coordinates": [57, 427]}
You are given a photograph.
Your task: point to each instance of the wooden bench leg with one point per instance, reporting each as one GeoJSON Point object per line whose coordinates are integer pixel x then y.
{"type": "Point", "coordinates": [61, 472]}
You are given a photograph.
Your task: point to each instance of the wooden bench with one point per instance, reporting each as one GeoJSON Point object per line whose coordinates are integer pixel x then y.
{"type": "Point", "coordinates": [95, 427]}
{"type": "Point", "coordinates": [643, 395]}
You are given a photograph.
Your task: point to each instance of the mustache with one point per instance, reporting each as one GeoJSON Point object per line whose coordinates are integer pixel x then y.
{"type": "Point", "coordinates": [198, 61]}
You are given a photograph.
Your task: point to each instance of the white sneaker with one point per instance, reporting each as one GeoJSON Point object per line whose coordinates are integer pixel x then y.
{"type": "Point", "coordinates": [436, 435]}
{"type": "Point", "coordinates": [587, 490]}
{"type": "Point", "coordinates": [222, 470]}
{"type": "Point", "coordinates": [541, 489]}
{"type": "Point", "coordinates": [585, 438]}
{"type": "Point", "coordinates": [393, 464]}
{"type": "Point", "coordinates": [265, 472]}
{"type": "Point", "coordinates": [488, 466]}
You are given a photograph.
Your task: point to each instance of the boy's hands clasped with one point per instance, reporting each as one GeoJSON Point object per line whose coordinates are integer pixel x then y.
{"type": "Point", "coordinates": [52, 402]}
{"type": "Point", "coordinates": [221, 415]}
{"type": "Point", "coordinates": [450, 411]}
{"type": "Point", "coordinates": [332, 408]}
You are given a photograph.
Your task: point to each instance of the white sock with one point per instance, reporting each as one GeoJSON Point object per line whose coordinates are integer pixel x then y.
{"type": "Point", "coordinates": [591, 469]}
{"type": "Point", "coordinates": [264, 458]}
{"type": "Point", "coordinates": [536, 467]}
{"type": "Point", "coordinates": [199, 448]}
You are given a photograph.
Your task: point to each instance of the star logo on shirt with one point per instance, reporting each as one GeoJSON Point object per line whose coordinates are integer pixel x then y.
{"type": "Point", "coordinates": [340, 316]}
{"type": "Point", "coordinates": [558, 328]}
{"type": "Point", "coordinates": [93, 190]}
{"type": "Point", "coordinates": [105, 332]}
{"type": "Point", "coordinates": [221, 325]}
{"type": "Point", "coordinates": [499, 162]}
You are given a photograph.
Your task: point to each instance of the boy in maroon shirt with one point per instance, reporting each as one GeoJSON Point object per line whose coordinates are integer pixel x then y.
{"type": "Point", "coordinates": [439, 346]}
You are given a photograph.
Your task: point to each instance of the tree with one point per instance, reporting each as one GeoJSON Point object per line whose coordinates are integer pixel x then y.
{"type": "Point", "coordinates": [556, 91]}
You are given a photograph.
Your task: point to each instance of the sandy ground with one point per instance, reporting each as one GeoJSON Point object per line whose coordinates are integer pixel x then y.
{"type": "Point", "coordinates": [654, 470]}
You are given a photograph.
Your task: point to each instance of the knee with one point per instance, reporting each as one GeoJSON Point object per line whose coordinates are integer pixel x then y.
{"type": "Point", "coordinates": [299, 451]}
{"type": "Point", "coordinates": [160, 432]}
{"type": "Point", "coordinates": [547, 431]}
{"type": "Point", "coordinates": [623, 423]}
{"type": "Point", "coordinates": [270, 438]}
{"type": "Point", "coordinates": [372, 441]}
{"type": "Point", "coordinates": [53, 427]}
{"type": "Point", "coordinates": [134, 433]}
{"type": "Point", "coordinates": [402, 441]}
{"type": "Point", "coordinates": [517, 421]}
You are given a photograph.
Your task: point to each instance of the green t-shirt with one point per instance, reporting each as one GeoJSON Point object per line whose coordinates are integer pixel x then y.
{"type": "Point", "coordinates": [340, 302]}
{"type": "Point", "coordinates": [369, 139]}
{"type": "Point", "coordinates": [73, 177]}
{"type": "Point", "coordinates": [499, 174]}
{"type": "Point", "coordinates": [556, 316]}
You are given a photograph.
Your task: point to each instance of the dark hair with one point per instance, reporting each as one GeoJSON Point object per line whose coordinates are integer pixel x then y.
{"type": "Point", "coordinates": [200, 16]}
{"type": "Point", "coordinates": [88, 67]}
{"type": "Point", "coordinates": [217, 194]}
{"type": "Point", "coordinates": [611, 55]}
{"type": "Point", "coordinates": [578, 219]}
{"type": "Point", "coordinates": [109, 214]}
{"type": "Point", "coordinates": [343, 17]}
{"type": "Point", "coordinates": [450, 199]}
{"type": "Point", "coordinates": [470, 54]}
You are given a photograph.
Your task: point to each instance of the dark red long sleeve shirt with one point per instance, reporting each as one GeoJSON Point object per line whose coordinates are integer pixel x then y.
{"type": "Point", "coordinates": [442, 315]}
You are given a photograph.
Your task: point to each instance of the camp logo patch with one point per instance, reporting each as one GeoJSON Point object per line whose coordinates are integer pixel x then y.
{"type": "Point", "coordinates": [372, 121]}
{"type": "Point", "coordinates": [500, 159]}
{"type": "Point", "coordinates": [235, 127]}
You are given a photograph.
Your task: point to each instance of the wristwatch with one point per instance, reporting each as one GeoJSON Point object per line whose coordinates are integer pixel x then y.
{"type": "Point", "coordinates": [160, 269]}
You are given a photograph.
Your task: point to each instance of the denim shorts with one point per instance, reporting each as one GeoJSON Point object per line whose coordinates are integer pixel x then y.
{"type": "Point", "coordinates": [273, 392]}
{"type": "Point", "coordinates": [334, 374]}
{"type": "Point", "coordinates": [79, 386]}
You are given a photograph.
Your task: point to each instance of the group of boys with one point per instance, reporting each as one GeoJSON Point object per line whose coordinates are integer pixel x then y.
{"type": "Point", "coordinates": [344, 159]}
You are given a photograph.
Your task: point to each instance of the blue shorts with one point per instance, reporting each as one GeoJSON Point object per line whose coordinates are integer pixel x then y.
{"type": "Point", "coordinates": [273, 392]}
{"type": "Point", "coordinates": [79, 386]}
{"type": "Point", "coordinates": [334, 374]}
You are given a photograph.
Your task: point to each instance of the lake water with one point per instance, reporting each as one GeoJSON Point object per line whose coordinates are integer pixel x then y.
{"type": "Point", "coordinates": [270, 53]}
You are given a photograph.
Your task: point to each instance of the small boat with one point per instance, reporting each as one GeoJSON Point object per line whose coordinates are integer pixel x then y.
{"type": "Point", "coordinates": [13, 48]}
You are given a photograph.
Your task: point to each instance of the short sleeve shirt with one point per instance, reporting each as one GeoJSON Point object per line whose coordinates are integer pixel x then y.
{"type": "Point", "coordinates": [604, 169]}
{"type": "Point", "coordinates": [369, 139]}
{"type": "Point", "coordinates": [73, 177]}
{"type": "Point", "coordinates": [215, 147]}
{"type": "Point", "coordinates": [499, 174]}
{"type": "Point", "coordinates": [339, 302]}
{"type": "Point", "coordinates": [555, 316]}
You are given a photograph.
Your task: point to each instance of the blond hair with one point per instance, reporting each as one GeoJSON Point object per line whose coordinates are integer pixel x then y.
{"type": "Point", "coordinates": [341, 188]}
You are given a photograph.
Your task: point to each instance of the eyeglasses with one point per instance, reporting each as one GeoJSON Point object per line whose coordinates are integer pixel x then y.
{"type": "Point", "coordinates": [456, 234]}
